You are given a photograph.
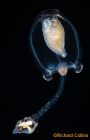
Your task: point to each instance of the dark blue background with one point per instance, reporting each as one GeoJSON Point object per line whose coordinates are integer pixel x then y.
{"type": "Point", "coordinates": [23, 90]}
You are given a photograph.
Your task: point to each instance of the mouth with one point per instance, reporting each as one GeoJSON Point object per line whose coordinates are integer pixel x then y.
{"type": "Point", "coordinates": [25, 126]}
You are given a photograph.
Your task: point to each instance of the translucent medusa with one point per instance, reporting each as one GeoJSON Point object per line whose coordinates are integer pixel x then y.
{"type": "Point", "coordinates": [55, 46]}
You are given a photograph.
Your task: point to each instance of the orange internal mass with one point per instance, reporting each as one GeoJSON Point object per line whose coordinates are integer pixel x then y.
{"type": "Point", "coordinates": [62, 71]}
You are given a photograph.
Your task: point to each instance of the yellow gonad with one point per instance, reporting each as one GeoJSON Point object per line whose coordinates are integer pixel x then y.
{"type": "Point", "coordinates": [54, 35]}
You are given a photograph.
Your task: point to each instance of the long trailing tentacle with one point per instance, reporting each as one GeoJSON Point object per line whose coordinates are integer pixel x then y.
{"type": "Point", "coordinates": [28, 124]}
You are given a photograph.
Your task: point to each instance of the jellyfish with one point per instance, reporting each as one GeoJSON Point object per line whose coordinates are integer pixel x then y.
{"type": "Point", "coordinates": [55, 46]}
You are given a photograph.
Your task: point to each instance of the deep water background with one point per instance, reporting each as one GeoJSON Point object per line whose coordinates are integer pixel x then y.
{"type": "Point", "coordinates": [23, 91]}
